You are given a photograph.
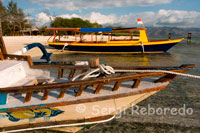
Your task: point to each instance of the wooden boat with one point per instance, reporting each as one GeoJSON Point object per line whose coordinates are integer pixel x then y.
{"type": "Point", "coordinates": [31, 99]}
{"type": "Point", "coordinates": [137, 41]}
{"type": "Point", "coordinates": [34, 100]}
{"type": "Point", "coordinates": [33, 103]}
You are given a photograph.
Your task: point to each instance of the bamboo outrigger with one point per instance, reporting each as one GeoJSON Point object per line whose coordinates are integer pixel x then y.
{"type": "Point", "coordinates": [137, 41]}
{"type": "Point", "coordinates": [31, 99]}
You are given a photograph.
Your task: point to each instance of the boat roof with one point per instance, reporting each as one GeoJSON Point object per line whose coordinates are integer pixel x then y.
{"type": "Point", "coordinates": [64, 29]}
{"type": "Point", "coordinates": [95, 29]}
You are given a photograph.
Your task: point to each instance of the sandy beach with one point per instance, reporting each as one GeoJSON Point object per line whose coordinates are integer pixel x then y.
{"type": "Point", "coordinates": [14, 43]}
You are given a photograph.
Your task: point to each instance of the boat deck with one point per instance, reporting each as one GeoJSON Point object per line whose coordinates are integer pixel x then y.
{"type": "Point", "coordinates": [17, 100]}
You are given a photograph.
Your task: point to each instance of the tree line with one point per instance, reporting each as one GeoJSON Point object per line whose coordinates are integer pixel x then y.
{"type": "Point", "coordinates": [59, 22]}
{"type": "Point", "coordinates": [13, 19]}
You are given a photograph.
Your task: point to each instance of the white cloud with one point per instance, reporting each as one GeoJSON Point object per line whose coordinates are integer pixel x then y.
{"type": "Point", "coordinates": [178, 18]}
{"type": "Point", "coordinates": [100, 18]}
{"type": "Point", "coordinates": [41, 19]}
{"type": "Point", "coordinates": [69, 16]}
{"type": "Point", "coordinates": [170, 18]}
{"type": "Point", "coordinates": [85, 4]}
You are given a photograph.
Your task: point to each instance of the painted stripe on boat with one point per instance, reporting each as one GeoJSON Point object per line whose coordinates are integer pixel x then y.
{"type": "Point", "coordinates": [117, 43]}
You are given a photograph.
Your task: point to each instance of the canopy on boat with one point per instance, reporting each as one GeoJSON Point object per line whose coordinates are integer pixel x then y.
{"type": "Point", "coordinates": [95, 29]}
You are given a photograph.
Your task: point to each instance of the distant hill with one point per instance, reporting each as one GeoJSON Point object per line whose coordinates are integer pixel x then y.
{"type": "Point", "coordinates": [162, 32]}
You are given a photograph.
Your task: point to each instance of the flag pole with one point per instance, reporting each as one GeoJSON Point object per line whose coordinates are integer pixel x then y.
{"type": "Point", "coordinates": [143, 25]}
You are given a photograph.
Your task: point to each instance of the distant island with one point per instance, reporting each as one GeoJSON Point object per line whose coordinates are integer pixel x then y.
{"type": "Point", "coordinates": [175, 32]}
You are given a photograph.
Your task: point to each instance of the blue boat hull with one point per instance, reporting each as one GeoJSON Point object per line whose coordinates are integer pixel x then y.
{"type": "Point", "coordinates": [147, 48]}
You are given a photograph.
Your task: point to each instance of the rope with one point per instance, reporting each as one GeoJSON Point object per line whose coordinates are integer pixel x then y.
{"type": "Point", "coordinates": [96, 72]}
{"type": "Point", "coordinates": [66, 44]}
{"type": "Point", "coordinates": [107, 70]}
{"type": "Point", "coordinates": [64, 125]}
{"type": "Point", "coordinates": [163, 71]}
{"type": "Point", "coordinates": [142, 47]}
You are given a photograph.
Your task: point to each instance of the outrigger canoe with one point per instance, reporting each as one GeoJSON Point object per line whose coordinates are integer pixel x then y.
{"type": "Point", "coordinates": [137, 41]}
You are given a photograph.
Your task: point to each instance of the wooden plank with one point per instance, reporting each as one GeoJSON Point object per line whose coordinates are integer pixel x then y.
{"type": "Point", "coordinates": [97, 90]}
{"type": "Point", "coordinates": [62, 93]}
{"type": "Point", "coordinates": [85, 82]}
{"type": "Point", "coordinates": [60, 73]}
{"type": "Point", "coordinates": [187, 66]}
{"type": "Point", "coordinates": [93, 62]}
{"type": "Point", "coordinates": [2, 44]}
{"type": "Point", "coordinates": [95, 85]}
{"type": "Point", "coordinates": [169, 77]}
{"type": "Point", "coordinates": [166, 78]}
{"type": "Point", "coordinates": [2, 129]}
{"type": "Point", "coordinates": [46, 66]}
{"type": "Point", "coordinates": [88, 100]}
{"type": "Point", "coordinates": [117, 85]}
{"type": "Point", "coordinates": [84, 70]}
{"type": "Point", "coordinates": [78, 83]}
{"type": "Point", "coordinates": [20, 57]}
{"type": "Point", "coordinates": [54, 36]}
{"type": "Point", "coordinates": [64, 29]}
{"type": "Point", "coordinates": [53, 66]}
{"type": "Point", "coordinates": [109, 36]}
{"type": "Point", "coordinates": [28, 96]}
{"type": "Point", "coordinates": [46, 94]}
{"type": "Point", "coordinates": [72, 73]}
{"type": "Point", "coordinates": [30, 62]}
{"type": "Point", "coordinates": [1, 55]}
{"type": "Point", "coordinates": [136, 82]}
{"type": "Point", "coordinates": [80, 90]}
{"type": "Point", "coordinates": [75, 36]}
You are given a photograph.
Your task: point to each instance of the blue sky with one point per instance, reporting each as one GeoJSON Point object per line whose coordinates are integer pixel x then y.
{"type": "Point", "coordinates": [172, 13]}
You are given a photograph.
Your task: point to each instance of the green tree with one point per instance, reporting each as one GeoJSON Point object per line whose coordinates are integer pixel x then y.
{"type": "Point", "coordinates": [73, 23]}
{"type": "Point", "coordinates": [3, 15]}
{"type": "Point", "coordinates": [42, 31]}
{"type": "Point", "coordinates": [12, 12]}
{"type": "Point", "coordinates": [13, 18]}
{"type": "Point", "coordinates": [2, 11]}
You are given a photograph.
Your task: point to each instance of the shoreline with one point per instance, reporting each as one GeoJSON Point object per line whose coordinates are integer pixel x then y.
{"type": "Point", "coordinates": [14, 43]}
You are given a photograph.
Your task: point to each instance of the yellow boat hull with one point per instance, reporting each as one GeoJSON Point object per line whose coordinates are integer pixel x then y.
{"type": "Point", "coordinates": [117, 46]}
